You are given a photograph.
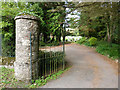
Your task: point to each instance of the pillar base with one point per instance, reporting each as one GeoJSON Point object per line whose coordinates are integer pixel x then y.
{"type": "Point", "coordinates": [22, 71]}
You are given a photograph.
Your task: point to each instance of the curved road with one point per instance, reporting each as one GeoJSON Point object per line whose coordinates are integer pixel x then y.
{"type": "Point", "coordinates": [89, 70]}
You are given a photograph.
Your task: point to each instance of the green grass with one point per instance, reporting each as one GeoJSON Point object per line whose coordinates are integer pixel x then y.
{"type": "Point", "coordinates": [49, 43]}
{"type": "Point", "coordinates": [7, 79]}
{"type": "Point", "coordinates": [82, 40]}
{"type": "Point", "coordinates": [112, 51]}
{"type": "Point", "coordinates": [104, 48]}
{"type": "Point", "coordinates": [42, 81]}
{"type": "Point", "coordinates": [53, 43]}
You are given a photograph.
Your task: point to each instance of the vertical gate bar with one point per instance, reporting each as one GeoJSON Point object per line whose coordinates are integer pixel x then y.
{"type": "Point", "coordinates": [50, 66]}
{"type": "Point", "coordinates": [37, 69]}
{"type": "Point", "coordinates": [48, 63]}
{"type": "Point", "coordinates": [45, 64]}
{"type": "Point", "coordinates": [35, 64]}
{"type": "Point", "coordinates": [50, 60]}
{"type": "Point", "coordinates": [63, 46]}
{"type": "Point", "coordinates": [36, 38]}
{"type": "Point", "coordinates": [54, 59]}
{"type": "Point", "coordinates": [38, 54]}
{"type": "Point", "coordinates": [54, 62]}
{"type": "Point", "coordinates": [42, 63]}
{"type": "Point", "coordinates": [30, 58]}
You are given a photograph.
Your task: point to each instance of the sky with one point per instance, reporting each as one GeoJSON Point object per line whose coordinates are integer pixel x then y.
{"type": "Point", "coordinates": [73, 16]}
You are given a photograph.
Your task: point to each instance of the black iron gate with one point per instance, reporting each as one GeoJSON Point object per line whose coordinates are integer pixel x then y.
{"type": "Point", "coordinates": [50, 59]}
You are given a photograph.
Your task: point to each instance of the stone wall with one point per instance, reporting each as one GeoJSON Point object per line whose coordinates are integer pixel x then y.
{"type": "Point", "coordinates": [24, 25]}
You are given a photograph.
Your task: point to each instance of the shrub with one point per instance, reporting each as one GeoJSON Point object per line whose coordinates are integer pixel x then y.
{"type": "Point", "coordinates": [49, 44]}
{"type": "Point", "coordinates": [112, 51]}
{"type": "Point", "coordinates": [93, 41]}
{"type": "Point", "coordinates": [54, 44]}
{"type": "Point", "coordinates": [82, 40]}
{"type": "Point", "coordinates": [87, 44]}
{"type": "Point", "coordinates": [42, 43]}
{"type": "Point", "coordinates": [66, 40]}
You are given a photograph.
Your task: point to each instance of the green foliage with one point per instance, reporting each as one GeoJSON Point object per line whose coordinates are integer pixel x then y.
{"type": "Point", "coordinates": [110, 50]}
{"type": "Point", "coordinates": [87, 44]}
{"type": "Point", "coordinates": [99, 20]}
{"type": "Point", "coordinates": [43, 80]}
{"type": "Point", "coordinates": [50, 22]}
{"type": "Point", "coordinates": [49, 44]}
{"type": "Point", "coordinates": [107, 49]}
{"type": "Point", "coordinates": [7, 79]}
{"type": "Point", "coordinates": [102, 34]}
{"type": "Point", "coordinates": [8, 12]}
{"type": "Point", "coordinates": [82, 40]}
{"type": "Point", "coordinates": [42, 43]}
{"type": "Point", "coordinates": [33, 14]}
{"type": "Point", "coordinates": [93, 41]}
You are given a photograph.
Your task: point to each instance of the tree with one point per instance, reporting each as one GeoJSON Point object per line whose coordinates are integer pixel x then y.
{"type": "Point", "coordinates": [8, 12]}
{"type": "Point", "coordinates": [100, 19]}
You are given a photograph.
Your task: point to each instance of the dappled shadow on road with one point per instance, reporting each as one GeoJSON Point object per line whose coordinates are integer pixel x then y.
{"type": "Point", "coordinates": [67, 63]}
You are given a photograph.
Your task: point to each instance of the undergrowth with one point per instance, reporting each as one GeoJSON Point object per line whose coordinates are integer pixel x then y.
{"type": "Point", "coordinates": [42, 81]}
{"type": "Point", "coordinates": [107, 49]}
{"type": "Point", "coordinates": [7, 79]}
{"type": "Point", "coordinates": [104, 48]}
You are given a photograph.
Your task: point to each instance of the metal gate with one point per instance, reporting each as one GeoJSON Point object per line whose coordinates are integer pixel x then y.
{"type": "Point", "coordinates": [50, 59]}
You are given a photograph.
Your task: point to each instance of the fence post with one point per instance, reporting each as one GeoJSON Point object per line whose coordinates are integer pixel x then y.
{"type": "Point", "coordinates": [26, 47]}
{"type": "Point", "coordinates": [30, 58]}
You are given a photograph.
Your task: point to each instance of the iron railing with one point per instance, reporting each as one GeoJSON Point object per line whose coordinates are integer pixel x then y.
{"type": "Point", "coordinates": [50, 60]}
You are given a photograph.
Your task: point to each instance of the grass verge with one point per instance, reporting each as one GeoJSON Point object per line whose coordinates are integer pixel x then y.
{"type": "Point", "coordinates": [110, 50]}
{"type": "Point", "coordinates": [42, 81]}
{"type": "Point", "coordinates": [7, 79]}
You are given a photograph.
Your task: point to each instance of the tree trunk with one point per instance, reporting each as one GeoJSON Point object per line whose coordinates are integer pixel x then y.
{"type": "Point", "coordinates": [53, 38]}
{"type": "Point", "coordinates": [108, 34]}
{"type": "Point", "coordinates": [58, 35]}
{"type": "Point", "coordinates": [45, 37]}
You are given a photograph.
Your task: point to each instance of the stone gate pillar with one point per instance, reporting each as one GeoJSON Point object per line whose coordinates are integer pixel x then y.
{"type": "Point", "coordinates": [24, 25]}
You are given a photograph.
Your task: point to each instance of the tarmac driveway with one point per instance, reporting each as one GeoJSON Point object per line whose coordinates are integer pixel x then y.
{"type": "Point", "coordinates": [89, 70]}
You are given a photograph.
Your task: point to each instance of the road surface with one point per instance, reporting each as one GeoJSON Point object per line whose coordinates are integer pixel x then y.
{"type": "Point", "coordinates": [89, 70]}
